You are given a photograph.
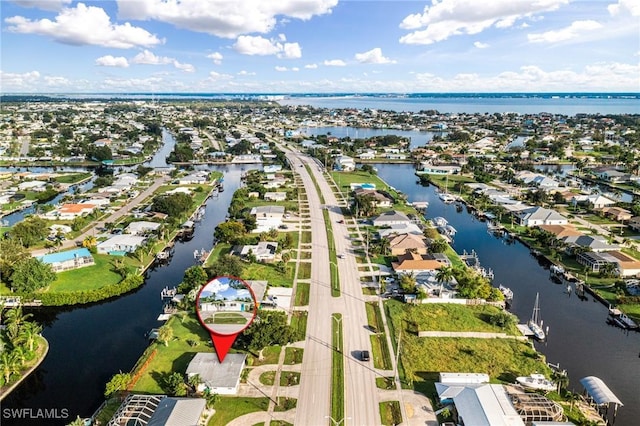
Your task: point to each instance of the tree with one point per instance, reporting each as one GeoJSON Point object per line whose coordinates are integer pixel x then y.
{"type": "Point", "coordinates": [174, 384]}
{"type": "Point", "coordinates": [229, 231]}
{"type": "Point", "coordinates": [77, 422]}
{"type": "Point", "coordinates": [438, 245]}
{"type": "Point", "coordinates": [269, 328]}
{"type": "Point", "coordinates": [119, 267]}
{"type": "Point", "coordinates": [226, 265]}
{"type": "Point", "coordinates": [408, 283]}
{"type": "Point", "coordinates": [165, 334]}
{"type": "Point", "coordinates": [194, 381]}
{"type": "Point", "coordinates": [118, 383]}
{"type": "Point", "coordinates": [444, 274]}
{"type": "Point", "coordinates": [30, 231]}
{"type": "Point", "coordinates": [8, 365]}
{"type": "Point", "coordinates": [364, 204]}
{"type": "Point", "coordinates": [194, 277]}
{"type": "Point", "coordinates": [28, 334]}
{"type": "Point", "coordinates": [11, 253]}
{"type": "Point", "coordinates": [89, 241]}
{"type": "Point", "coordinates": [14, 319]}
{"type": "Point", "coordinates": [173, 204]}
{"type": "Point", "coordinates": [31, 274]}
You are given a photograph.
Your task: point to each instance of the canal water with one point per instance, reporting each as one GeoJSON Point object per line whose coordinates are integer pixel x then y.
{"type": "Point", "coordinates": [90, 344]}
{"type": "Point", "coordinates": [579, 338]}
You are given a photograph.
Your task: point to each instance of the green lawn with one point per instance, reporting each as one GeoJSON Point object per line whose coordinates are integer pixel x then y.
{"type": "Point", "coordinates": [374, 318]}
{"type": "Point", "coordinates": [302, 294]}
{"type": "Point", "coordinates": [293, 355]}
{"type": "Point", "coordinates": [87, 278]}
{"type": "Point", "coordinates": [390, 413]}
{"type": "Point", "coordinates": [229, 408]}
{"type": "Point", "coordinates": [266, 272]}
{"type": "Point", "coordinates": [73, 177]}
{"type": "Point", "coordinates": [387, 383]}
{"type": "Point", "coordinates": [270, 356]}
{"type": "Point", "coordinates": [299, 325]}
{"type": "Point", "coordinates": [381, 356]}
{"type": "Point", "coordinates": [337, 365]}
{"type": "Point", "coordinates": [176, 356]}
{"type": "Point", "coordinates": [289, 378]}
{"type": "Point", "coordinates": [304, 271]}
{"type": "Point", "coordinates": [267, 378]}
{"type": "Point", "coordinates": [285, 404]}
{"type": "Point", "coordinates": [306, 237]}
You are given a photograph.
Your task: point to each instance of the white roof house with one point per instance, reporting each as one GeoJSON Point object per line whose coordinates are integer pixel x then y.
{"type": "Point", "coordinates": [391, 218]}
{"type": "Point", "coordinates": [121, 243]}
{"type": "Point", "coordinates": [400, 228]}
{"type": "Point", "coordinates": [535, 216]}
{"type": "Point", "coordinates": [267, 217]}
{"type": "Point", "coordinates": [141, 227]}
{"type": "Point", "coordinates": [264, 251]}
{"type": "Point", "coordinates": [221, 378]}
{"type": "Point", "coordinates": [275, 196]}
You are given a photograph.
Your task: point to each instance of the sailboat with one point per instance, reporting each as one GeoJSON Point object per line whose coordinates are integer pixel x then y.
{"type": "Point", "coordinates": [445, 196]}
{"type": "Point", "coordinates": [534, 322]}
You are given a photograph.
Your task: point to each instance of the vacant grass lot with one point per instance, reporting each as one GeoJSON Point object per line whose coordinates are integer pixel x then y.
{"type": "Point", "coordinates": [293, 355]}
{"type": "Point", "coordinates": [390, 413]}
{"type": "Point", "coordinates": [299, 325]}
{"type": "Point", "coordinates": [228, 408]}
{"type": "Point", "coordinates": [302, 294]}
{"type": "Point", "coordinates": [266, 272]}
{"type": "Point", "coordinates": [304, 271]}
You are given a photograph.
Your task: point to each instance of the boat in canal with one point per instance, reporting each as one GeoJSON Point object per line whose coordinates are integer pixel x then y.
{"type": "Point", "coordinates": [506, 292]}
{"type": "Point", "coordinates": [534, 323]}
{"type": "Point", "coordinates": [620, 319]}
{"type": "Point", "coordinates": [536, 381]}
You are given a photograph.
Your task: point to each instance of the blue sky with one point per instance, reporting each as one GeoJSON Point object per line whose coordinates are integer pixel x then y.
{"type": "Point", "coordinates": [297, 46]}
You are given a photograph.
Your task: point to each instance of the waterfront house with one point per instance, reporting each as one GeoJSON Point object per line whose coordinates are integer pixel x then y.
{"type": "Point", "coordinates": [216, 377]}
{"type": "Point", "coordinates": [627, 265]}
{"type": "Point", "coordinates": [617, 213]}
{"type": "Point", "coordinates": [142, 227]}
{"type": "Point", "coordinates": [597, 201]}
{"type": "Point", "coordinates": [561, 231]}
{"type": "Point", "coordinates": [344, 163]}
{"type": "Point", "coordinates": [158, 410]}
{"type": "Point", "coordinates": [271, 168]}
{"type": "Point", "coordinates": [391, 217]}
{"type": "Point", "coordinates": [595, 243]}
{"type": "Point", "coordinates": [399, 228]}
{"type": "Point", "coordinates": [414, 263]}
{"type": "Point", "coordinates": [634, 223]}
{"type": "Point", "coordinates": [275, 196]}
{"type": "Point", "coordinates": [400, 244]}
{"type": "Point", "coordinates": [195, 178]}
{"type": "Point", "coordinates": [379, 199]}
{"type": "Point", "coordinates": [118, 244]}
{"type": "Point", "coordinates": [66, 260]}
{"type": "Point", "coordinates": [264, 251]}
{"type": "Point", "coordinates": [534, 216]}
{"type": "Point", "coordinates": [445, 169]}
{"type": "Point", "coordinates": [267, 217]}
{"type": "Point", "coordinates": [70, 211]}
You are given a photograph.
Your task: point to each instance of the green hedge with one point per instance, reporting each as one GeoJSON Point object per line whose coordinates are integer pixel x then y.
{"type": "Point", "coordinates": [81, 297]}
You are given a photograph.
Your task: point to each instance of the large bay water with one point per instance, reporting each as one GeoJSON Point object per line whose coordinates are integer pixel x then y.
{"type": "Point", "coordinates": [579, 338]}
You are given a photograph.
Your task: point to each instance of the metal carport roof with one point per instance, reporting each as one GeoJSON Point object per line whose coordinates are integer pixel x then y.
{"type": "Point", "coordinates": [599, 391]}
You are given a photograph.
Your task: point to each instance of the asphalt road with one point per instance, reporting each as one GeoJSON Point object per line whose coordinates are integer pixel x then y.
{"type": "Point", "coordinates": [361, 396]}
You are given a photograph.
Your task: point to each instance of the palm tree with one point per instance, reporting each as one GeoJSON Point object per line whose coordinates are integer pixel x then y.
{"type": "Point", "coordinates": [8, 365]}
{"type": "Point", "coordinates": [165, 334]}
{"type": "Point", "coordinates": [29, 333]}
{"type": "Point", "coordinates": [89, 241]}
{"type": "Point", "coordinates": [119, 267]}
{"type": "Point", "coordinates": [444, 274]}
{"type": "Point", "coordinates": [14, 320]}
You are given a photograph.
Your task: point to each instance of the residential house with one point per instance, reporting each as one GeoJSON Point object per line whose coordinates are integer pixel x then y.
{"type": "Point", "coordinates": [178, 411]}
{"type": "Point", "coordinates": [195, 178]}
{"type": "Point", "coordinates": [445, 169]}
{"type": "Point", "coordinates": [400, 244]}
{"type": "Point", "coordinates": [66, 260]}
{"type": "Point", "coordinates": [264, 251]}
{"type": "Point", "coordinates": [124, 243]}
{"type": "Point", "coordinates": [594, 243]}
{"type": "Point", "coordinates": [535, 216]}
{"type": "Point", "coordinates": [627, 265]}
{"type": "Point", "coordinates": [271, 168]}
{"type": "Point", "coordinates": [267, 217]}
{"type": "Point", "coordinates": [612, 175]}
{"type": "Point", "coordinates": [142, 227]}
{"type": "Point", "coordinates": [617, 213]}
{"type": "Point", "coordinates": [399, 228]}
{"type": "Point", "coordinates": [380, 199]}
{"type": "Point", "coordinates": [597, 201]}
{"type": "Point", "coordinates": [414, 263]}
{"type": "Point", "coordinates": [344, 163]}
{"type": "Point", "coordinates": [222, 378]}
{"type": "Point", "coordinates": [70, 211]}
{"type": "Point", "coordinates": [634, 223]}
{"type": "Point", "coordinates": [391, 217]}
{"type": "Point", "coordinates": [275, 196]}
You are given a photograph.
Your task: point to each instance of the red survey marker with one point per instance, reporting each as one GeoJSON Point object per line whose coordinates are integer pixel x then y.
{"type": "Point", "coordinates": [225, 307]}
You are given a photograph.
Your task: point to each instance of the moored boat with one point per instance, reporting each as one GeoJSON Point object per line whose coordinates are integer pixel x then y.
{"type": "Point", "coordinates": [537, 382]}
{"type": "Point", "coordinates": [506, 292]}
{"type": "Point", "coordinates": [534, 323]}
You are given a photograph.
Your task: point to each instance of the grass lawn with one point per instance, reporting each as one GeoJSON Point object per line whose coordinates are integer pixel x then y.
{"type": "Point", "coordinates": [289, 378]}
{"type": "Point", "coordinates": [229, 408]}
{"type": "Point", "coordinates": [448, 317]}
{"type": "Point", "coordinates": [337, 365]}
{"type": "Point", "coordinates": [299, 325]}
{"type": "Point", "coordinates": [270, 355]}
{"type": "Point", "coordinates": [381, 357]}
{"type": "Point", "coordinates": [87, 278]}
{"type": "Point", "coordinates": [302, 294]}
{"type": "Point", "coordinates": [293, 355]}
{"type": "Point", "coordinates": [373, 317]}
{"type": "Point", "coordinates": [267, 378]}
{"type": "Point", "coordinates": [266, 272]}
{"type": "Point", "coordinates": [285, 404]}
{"type": "Point", "coordinates": [390, 413]}
{"type": "Point", "coordinates": [218, 250]}
{"type": "Point", "coordinates": [306, 237]}
{"type": "Point", "coordinates": [228, 318]}
{"type": "Point", "coordinates": [176, 356]}
{"type": "Point", "coordinates": [369, 291]}
{"type": "Point", "coordinates": [73, 177]}
{"type": "Point", "coordinates": [304, 271]}
{"type": "Point", "coordinates": [305, 255]}
{"type": "Point", "coordinates": [387, 383]}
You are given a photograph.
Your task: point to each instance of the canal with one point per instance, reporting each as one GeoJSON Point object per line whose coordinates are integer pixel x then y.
{"type": "Point", "coordinates": [90, 344]}
{"type": "Point", "coordinates": [579, 338]}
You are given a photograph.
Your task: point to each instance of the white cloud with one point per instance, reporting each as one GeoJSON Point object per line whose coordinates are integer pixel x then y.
{"type": "Point", "coordinates": [291, 51]}
{"type": "Point", "coordinates": [295, 69]}
{"type": "Point", "coordinates": [112, 61]}
{"type": "Point", "coordinates": [258, 45]}
{"type": "Point", "coordinates": [84, 25]}
{"type": "Point", "coordinates": [447, 18]}
{"type": "Point", "coordinates": [311, 66]}
{"type": "Point", "coordinates": [224, 18]}
{"type": "Point", "coordinates": [480, 45]}
{"type": "Point", "coordinates": [334, 63]}
{"type": "Point", "coordinates": [216, 57]}
{"type": "Point", "coordinates": [280, 68]}
{"type": "Point", "coordinates": [184, 67]}
{"type": "Point", "coordinates": [632, 7]}
{"type": "Point", "coordinates": [53, 5]}
{"type": "Point", "coordinates": [215, 76]}
{"type": "Point", "coordinates": [147, 57]}
{"type": "Point", "coordinates": [13, 81]}
{"type": "Point", "coordinates": [576, 29]}
{"type": "Point", "coordinates": [373, 56]}
{"type": "Point", "coordinates": [246, 73]}
{"type": "Point", "coordinates": [52, 81]}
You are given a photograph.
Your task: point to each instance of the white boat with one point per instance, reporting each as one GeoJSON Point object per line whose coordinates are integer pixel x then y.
{"type": "Point", "coordinates": [506, 292]}
{"type": "Point", "coordinates": [536, 381]}
{"type": "Point", "coordinates": [534, 323]}
{"type": "Point", "coordinates": [447, 198]}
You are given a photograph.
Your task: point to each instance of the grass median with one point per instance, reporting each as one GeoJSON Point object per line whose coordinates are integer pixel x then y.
{"type": "Point", "coordinates": [337, 368]}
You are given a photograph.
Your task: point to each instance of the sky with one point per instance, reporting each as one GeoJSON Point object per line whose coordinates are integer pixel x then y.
{"type": "Point", "coordinates": [319, 46]}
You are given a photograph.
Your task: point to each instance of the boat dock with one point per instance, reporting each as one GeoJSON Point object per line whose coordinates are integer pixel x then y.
{"type": "Point", "coordinates": [168, 293]}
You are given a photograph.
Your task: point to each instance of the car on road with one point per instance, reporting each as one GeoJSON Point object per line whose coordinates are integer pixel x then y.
{"type": "Point", "coordinates": [341, 221]}
{"type": "Point", "coordinates": [364, 356]}
{"type": "Point", "coordinates": [341, 256]}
